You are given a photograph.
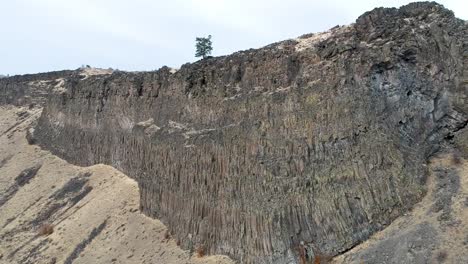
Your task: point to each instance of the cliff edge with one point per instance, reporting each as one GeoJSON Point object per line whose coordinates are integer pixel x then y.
{"type": "Point", "coordinates": [302, 148]}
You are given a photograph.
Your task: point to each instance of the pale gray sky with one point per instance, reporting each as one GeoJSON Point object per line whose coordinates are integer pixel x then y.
{"type": "Point", "coordinates": [46, 35]}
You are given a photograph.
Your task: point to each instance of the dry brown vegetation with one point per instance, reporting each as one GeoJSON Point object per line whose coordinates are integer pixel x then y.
{"type": "Point", "coordinates": [200, 251]}
{"type": "Point", "coordinates": [167, 235]}
{"type": "Point", "coordinates": [45, 230]}
{"type": "Point", "coordinates": [302, 254]}
{"type": "Point", "coordinates": [318, 258]}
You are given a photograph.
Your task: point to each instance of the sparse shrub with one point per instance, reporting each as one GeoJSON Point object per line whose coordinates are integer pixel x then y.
{"type": "Point", "coordinates": [456, 158]}
{"type": "Point", "coordinates": [200, 251]}
{"type": "Point", "coordinates": [441, 256]}
{"type": "Point", "coordinates": [322, 259]}
{"type": "Point", "coordinates": [178, 242]}
{"type": "Point", "coordinates": [302, 254]}
{"type": "Point", "coordinates": [317, 259]}
{"type": "Point", "coordinates": [45, 230]}
{"type": "Point", "coordinates": [306, 257]}
{"type": "Point", "coordinates": [167, 235]}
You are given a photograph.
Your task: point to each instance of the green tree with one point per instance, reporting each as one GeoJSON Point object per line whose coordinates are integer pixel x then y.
{"type": "Point", "coordinates": [203, 47]}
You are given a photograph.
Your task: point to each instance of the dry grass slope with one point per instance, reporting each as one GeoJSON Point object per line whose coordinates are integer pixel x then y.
{"type": "Point", "coordinates": [59, 213]}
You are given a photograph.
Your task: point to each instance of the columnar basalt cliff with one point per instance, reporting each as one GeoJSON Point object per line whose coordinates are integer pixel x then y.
{"type": "Point", "coordinates": [303, 147]}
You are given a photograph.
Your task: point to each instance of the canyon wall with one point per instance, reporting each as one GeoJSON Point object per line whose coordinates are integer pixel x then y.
{"type": "Point", "coordinates": [273, 155]}
{"type": "Point", "coordinates": [31, 89]}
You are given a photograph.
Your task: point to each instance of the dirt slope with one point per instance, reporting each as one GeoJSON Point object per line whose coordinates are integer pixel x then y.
{"type": "Point", "coordinates": [93, 211]}
{"type": "Point", "coordinates": [435, 231]}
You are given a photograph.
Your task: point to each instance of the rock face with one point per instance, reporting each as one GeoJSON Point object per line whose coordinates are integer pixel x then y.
{"type": "Point", "coordinates": [31, 89]}
{"type": "Point", "coordinates": [304, 147]}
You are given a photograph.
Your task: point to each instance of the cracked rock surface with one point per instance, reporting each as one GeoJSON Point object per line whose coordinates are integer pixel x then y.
{"type": "Point", "coordinates": [306, 145]}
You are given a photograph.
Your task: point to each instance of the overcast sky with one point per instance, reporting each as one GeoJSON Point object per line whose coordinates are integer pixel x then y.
{"type": "Point", "coordinates": [46, 35]}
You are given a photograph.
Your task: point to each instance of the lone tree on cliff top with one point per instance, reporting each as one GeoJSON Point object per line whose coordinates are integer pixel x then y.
{"type": "Point", "coordinates": [203, 46]}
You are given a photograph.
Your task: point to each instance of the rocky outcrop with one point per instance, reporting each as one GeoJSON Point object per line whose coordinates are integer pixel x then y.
{"type": "Point", "coordinates": [304, 147]}
{"type": "Point", "coordinates": [31, 89]}
{"type": "Point", "coordinates": [34, 89]}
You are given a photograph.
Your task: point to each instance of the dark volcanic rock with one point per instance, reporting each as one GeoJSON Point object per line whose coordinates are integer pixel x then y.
{"type": "Point", "coordinates": [321, 140]}
{"type": "Point", "coordinates": [26, 175]}
{"type": "Point", "coordinates": [30, 89]}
